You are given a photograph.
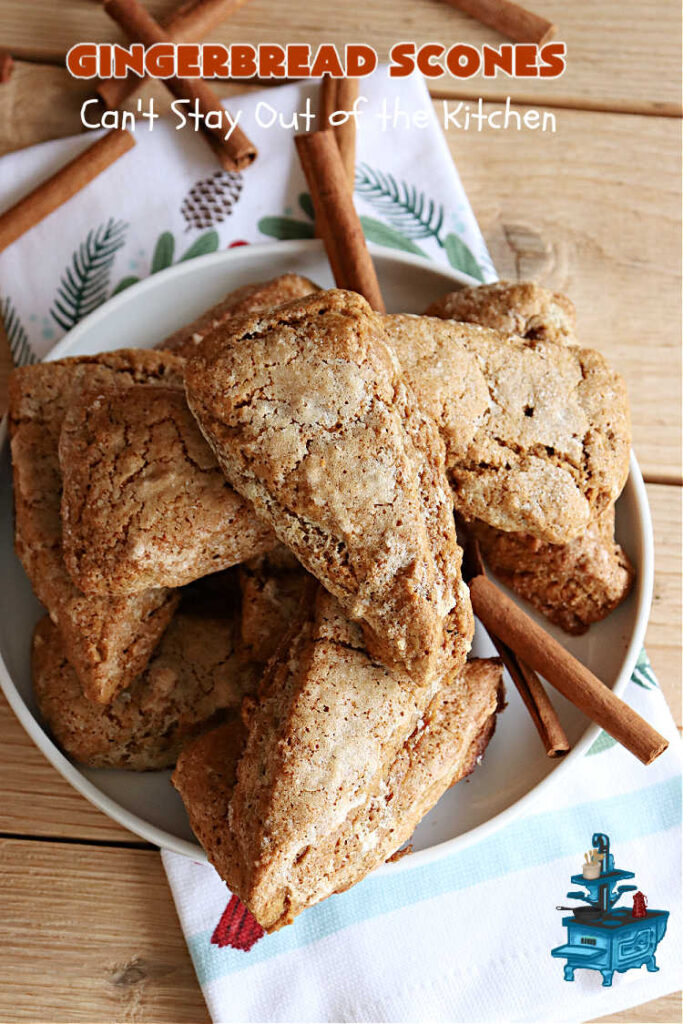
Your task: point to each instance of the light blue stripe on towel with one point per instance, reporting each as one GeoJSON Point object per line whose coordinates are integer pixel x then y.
{"type": "Point", "coordinates": [532, 840]}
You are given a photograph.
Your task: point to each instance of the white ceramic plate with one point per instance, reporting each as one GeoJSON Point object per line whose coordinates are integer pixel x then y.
{"type": "Point", "coordinates": [515, 770]}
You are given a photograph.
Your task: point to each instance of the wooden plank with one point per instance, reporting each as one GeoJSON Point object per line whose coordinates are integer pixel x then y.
{"type": "Point", "coordinates": [610, 54]}
{"type": "Point", "coordinates": [91, 934]}
{"type": "Point", "coordinates": [36, 801]}
{"type": "Point", "coordinates": [594, 211]}
{"type": "Point", "coordinates": [663, 639]}
{"type": "Point", "coordinates": [666, 1010]}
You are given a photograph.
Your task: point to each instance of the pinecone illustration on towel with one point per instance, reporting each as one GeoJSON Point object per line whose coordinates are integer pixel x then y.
{"type": "Point", "coordinates": [237, 927]}
{"type": "Point", "coordinates": [211, 200]}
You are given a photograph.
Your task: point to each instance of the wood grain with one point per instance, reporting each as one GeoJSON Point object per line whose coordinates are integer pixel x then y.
{"type": "Point", "coordinates": [666, 1010]}
{"type": "Point", "coordinates": [611, 53]}
{"type": "Point", "coordinates": [91, 934]}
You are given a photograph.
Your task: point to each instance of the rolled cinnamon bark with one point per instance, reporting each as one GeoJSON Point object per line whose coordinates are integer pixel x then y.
{"type": "Point", "coordinates": [234, 153]}
{"type": "Point", "coordinates": [336, 217]}
{"type": "Point", "coordinates": [190, 23]}
{"type": "Point", "coordinates": [6, 65]}
{"type": "Point", "coordinates": [541, 652]}
{"type": "Point", "coordinates": [69, 180]}
{"type": "Point", "coordinates": [341, 94]}
{"type": "Point", "coordinates": [509, 19]}
{"type": "Point", "coordinates": [536, 701]}
{"type": "Point", "coordinates": [529, 686]}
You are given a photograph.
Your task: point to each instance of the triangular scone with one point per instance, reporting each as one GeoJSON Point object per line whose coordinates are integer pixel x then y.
{"type": "Point", "coordinates": [523, 308]}
{"type": "Point", "coordinates": [537, 434]}
{"type": "Point", "coordinates": [193, 678]}
{"type": "Point", "coordinates": [250, 298]}
{"type": "Point", "coordinates": [341, 762]}
{"type": "Point", "coordinates": [312, 421]}
{"type": "Point", "coordinates": [144, 502]}
{"type": "Point", "coordinates": [572, 584]}
{"type": "Point", "coordinates": [107, 641]}
{"type": "Point", "coordinates": [315, 804]}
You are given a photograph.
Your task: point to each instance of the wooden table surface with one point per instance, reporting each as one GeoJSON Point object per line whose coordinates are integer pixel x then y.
{"type": "Point", "coordinates": [87, 929]}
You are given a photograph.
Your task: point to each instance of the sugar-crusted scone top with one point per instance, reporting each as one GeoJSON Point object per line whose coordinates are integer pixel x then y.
{"type": "Point", "coordinates": [537, 434]}
{"type": "Point", "coordinates": [523, 308]}
{"type": "Point", "coordinates": [311, 419]}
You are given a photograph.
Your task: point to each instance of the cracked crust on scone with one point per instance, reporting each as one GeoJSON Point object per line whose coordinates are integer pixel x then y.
{"type": "Point", "coordinates": [340, 764]}
{"type": "Point", "coordinates": [523, 308]}
{"type": "Point", "coordinates": [107, 641]}
{"type": "Point", "coordinates": [144, 502]}
{"type": "Point", "coordinates": [192, 679]}
{"type": "Point", "coordinates": [574, 584]}
{"type": "Point", "coordinates": [251, 298]}
{"type": "Point", "coordinates": [537, 434]}
{"type": "Point", "coordinates": [312, 421]}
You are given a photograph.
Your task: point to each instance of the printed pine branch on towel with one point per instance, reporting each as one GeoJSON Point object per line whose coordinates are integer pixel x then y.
{"type": "Point", "coordinates": [85, 282]}
{"type": "Point", "coordinates": [400, 204]}
{"type": "Point", "coordinates": [17, 336]}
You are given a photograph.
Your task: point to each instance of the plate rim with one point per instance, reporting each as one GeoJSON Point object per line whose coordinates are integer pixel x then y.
{"type": "Point", "coordinates": [165, 840]}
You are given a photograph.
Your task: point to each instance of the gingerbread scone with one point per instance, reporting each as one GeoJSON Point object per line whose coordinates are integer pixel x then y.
{"type": "Point", "coordinates": [573, 584]}
{"type": "Point", "coordinates": [144, 502]}
{"type": "Point", "coordinates": [523, 308]}
{"type": "Point", "coordinates": [251, 298]}
{"type": "Point", "coordinates": [312, 421]}
{"type": "Point", "coordinates": [537, 434]}
{"type": "Point", "coordinates": [192, 678]}
{"type": "Point", "coordinates": [584, 581]}
{"type": "Point", "coordinates": [107, 641]}
{"type": "Point", "coordinates": [340, 764]}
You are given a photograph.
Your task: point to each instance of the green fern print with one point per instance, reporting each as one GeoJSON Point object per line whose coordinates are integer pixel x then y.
{"type": "Point", "coordinates": [85, 282]}
{"type": "Point", "coordinates": [164, 252]}
{"type": "Point", "coordinates": [406, 214]}
{"type": "Point", "coordinates": [20, 347]}
{"type": "Point", "coordinates": [643, 674]}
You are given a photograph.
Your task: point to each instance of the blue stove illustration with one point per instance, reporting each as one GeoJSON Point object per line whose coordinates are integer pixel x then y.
{"type": "Point", "coordinates": [601, 936]}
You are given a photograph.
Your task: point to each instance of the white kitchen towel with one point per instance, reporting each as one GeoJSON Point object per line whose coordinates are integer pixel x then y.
{"type": "Point", "coordinates": [465, 937]}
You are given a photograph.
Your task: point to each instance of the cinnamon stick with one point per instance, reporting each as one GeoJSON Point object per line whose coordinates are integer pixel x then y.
{"type": "Point", "coordinates": [336, 217]}
{"type": "Point", "coordinates": [509, 19]}
{"type": "Point", "coordinates": [6, 65]}
{"type": "Point", "coordinates": [69, 180]}
{"type": "Point", "coordinates": [235, 152]}
{"type": "Point", "coordinates": [341, 94]}
{"type": "Point", "coordinates": [536, 701]}
{"type": "Point", "coordinates": [190, 23]}
{"type": "Point", "coordinates": [545, 655]}
{"type": "Point", "coordinates": [529, 686]}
